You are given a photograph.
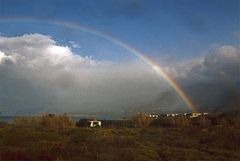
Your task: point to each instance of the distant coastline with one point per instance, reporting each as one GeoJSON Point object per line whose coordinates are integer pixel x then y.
{"type": "Point", "coordinates": [8, 119]}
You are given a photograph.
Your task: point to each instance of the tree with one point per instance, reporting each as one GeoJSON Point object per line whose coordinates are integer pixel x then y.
{"type": "Point", "coordinates": [143, 120]}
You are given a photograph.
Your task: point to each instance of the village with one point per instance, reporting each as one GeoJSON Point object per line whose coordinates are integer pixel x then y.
{"type": "Point", "coordinates": [93, 122]}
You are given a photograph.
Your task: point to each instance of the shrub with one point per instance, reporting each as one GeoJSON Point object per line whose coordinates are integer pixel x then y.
{"type": "Point", "coordinates": [81, 136]}
{"type": "Point", "coordinates": [164, 122]}
{"type": "Point", "coordinates": [143, 120]}
{"type": "Point", "coordinates": [45, 121]}
{"type": "Point", "coordinates": [83, 123]}
{"type": "Point", "coordinates": [24, 121]}
{"type": "Point", "coordinates": [13, 154]}
{"type": "Point", "coordinates": [201, 121]}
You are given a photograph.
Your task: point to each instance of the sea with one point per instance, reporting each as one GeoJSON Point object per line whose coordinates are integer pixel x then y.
{"type": "Point", "coordinates": [9, 119]}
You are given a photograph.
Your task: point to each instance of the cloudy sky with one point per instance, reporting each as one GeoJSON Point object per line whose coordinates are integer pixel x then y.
{"type": "Point", "coordinates": [49, 67]}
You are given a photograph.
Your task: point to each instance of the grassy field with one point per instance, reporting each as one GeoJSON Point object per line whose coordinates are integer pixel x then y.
{"type": "Point", "coordinates": [155, 143]}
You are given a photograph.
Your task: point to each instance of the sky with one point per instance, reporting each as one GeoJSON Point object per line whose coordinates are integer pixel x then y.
{"type": "Point", "coordinates": [185, 28]}
{"type": "Point", "coordinates": [196, 42]}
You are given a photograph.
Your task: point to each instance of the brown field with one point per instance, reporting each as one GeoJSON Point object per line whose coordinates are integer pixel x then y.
{"type": "Point", "coordinates": [214, 138]}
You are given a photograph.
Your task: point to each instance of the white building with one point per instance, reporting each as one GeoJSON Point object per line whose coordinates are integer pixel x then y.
{"type": "Point", "coordinates": [172, 114]}
{"type": "Point", "coordinates": [95, 123]}
{"type": "Point", "coordinates": [153, 116]}
{"type": "Point", "coordinates": [195, 114]}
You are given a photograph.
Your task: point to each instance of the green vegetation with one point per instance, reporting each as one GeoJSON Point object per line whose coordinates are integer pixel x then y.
{"type": "Point", "coordinates": [215, 138]}
{"type": "Point", "coordinates": [45, 121]}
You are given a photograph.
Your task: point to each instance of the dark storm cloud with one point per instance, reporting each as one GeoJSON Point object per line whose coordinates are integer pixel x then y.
{"type": "Point", "coordinates": [214, 80]}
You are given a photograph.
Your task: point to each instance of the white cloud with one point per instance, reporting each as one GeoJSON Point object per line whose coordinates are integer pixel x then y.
{"type": "Point", "coordinates": [4, 57]}
{"type": "Point", "coordinates": [36, 49]}
{"type": "Point", "coordinates": [46, 75]}
{"type": "Point", "coordinates": [74, 44]}
{"type": "Point", "coordinates": [222, 58]}
{"type": "Point", "coordinates": [38, 74]}
{"type": "Point", "coordinates": [228, 52]}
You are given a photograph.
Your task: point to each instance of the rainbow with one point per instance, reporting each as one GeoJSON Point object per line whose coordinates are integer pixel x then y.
{"type": "Point", "coordinates": [157, 68]}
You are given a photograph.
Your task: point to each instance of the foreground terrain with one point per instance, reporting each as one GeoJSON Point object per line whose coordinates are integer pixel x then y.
{"type": "Point", "coordinates": [155, 143]}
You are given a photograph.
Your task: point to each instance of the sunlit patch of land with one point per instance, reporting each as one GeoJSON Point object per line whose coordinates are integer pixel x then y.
{"type": "Point", "coordinates": [214, 137]}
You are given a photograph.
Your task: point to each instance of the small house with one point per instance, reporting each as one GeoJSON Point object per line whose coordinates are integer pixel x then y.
{"type": "Point", "coordinates": [195, 114]}
{"type": "Point", "coordinates": [95, 123]}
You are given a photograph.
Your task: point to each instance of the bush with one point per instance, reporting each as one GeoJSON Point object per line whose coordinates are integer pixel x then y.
{"type": "Point", "coordinates": [45, 121]}
{"type": "Point", "coordinates": [143, 120]}
{"type": "Point", "coordinates": [201, 121]}
{"type": "Point", "coordinates": [56, 121]}
{"type": "Point", "coordinates": [23, 121]}
{"type": "Point", "coordinates": [164, 122]}
{"type": "Point", "coordinates": [81, 136]}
